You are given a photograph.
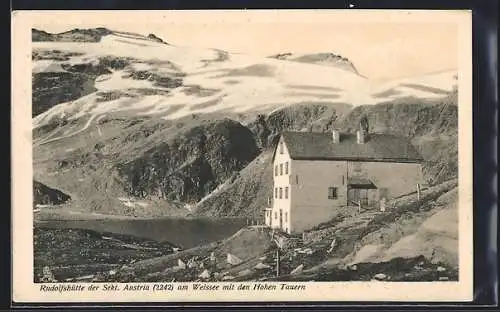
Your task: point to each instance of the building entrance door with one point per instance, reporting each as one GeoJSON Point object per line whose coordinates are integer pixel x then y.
{"type": "Point", "coordinates": [356, 195]}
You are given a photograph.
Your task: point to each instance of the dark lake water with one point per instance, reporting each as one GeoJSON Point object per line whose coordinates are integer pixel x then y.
{"type": "Point", "coordinates": [186, 233]}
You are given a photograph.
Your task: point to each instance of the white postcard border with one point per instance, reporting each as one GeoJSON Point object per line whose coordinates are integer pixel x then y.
{"type": "Point", "coordinates": [25, 290]}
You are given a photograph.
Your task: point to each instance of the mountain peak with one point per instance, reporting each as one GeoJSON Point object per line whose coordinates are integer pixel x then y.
{"type": "Point", "coordinates": [156, 38]}
{"type": "Point", "coordinates": [73, 35]}
{"type": "Point", "coordinates": [322, 58]}
{"type": "Point", "coordinates": [86, 35]}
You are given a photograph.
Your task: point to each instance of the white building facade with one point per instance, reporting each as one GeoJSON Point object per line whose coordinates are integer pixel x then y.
{"type": "Point", "coordinates": [312, 181]}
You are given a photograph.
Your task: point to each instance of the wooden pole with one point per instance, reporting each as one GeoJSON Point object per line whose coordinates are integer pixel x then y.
{"type": "Point", "coordinates": [277, 262]}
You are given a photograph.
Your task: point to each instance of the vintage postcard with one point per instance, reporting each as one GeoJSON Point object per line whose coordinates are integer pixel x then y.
{"type": "Point", "coordinates": [242, 156]}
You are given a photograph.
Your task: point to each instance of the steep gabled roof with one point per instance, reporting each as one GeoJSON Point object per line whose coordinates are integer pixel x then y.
{"type": "Point", "coordinates": [377, 147]}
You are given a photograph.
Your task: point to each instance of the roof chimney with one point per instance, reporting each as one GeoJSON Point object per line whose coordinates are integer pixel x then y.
{"type": "Point", "coordinates": [363, 124]}
{"type": "Point", "coordinates": [335, 136]}
{"type": "Point", "coordinates": [360, 134]}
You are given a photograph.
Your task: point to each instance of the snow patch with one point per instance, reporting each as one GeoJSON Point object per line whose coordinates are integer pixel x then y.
{"type": "Point", "coordinates": [262, 83]}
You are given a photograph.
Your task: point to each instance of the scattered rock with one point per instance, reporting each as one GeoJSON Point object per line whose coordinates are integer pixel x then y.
{"type": "Point", "coordinates": [261, 266]}
{"type": "Point", "coordinates": [233, 260]}
{"type": "Point", "coordinates": [380, 276]}
{"type": "Point", "coordinates": [181, 264]}
{"type": "Point", "coordinates": [245, 272]}
{"type": "Point", "coordinates": [332, 245]}
{"type": "Point", "coordinates": [297, 270]}
{"type": "Point", "coordinates": [440, 269]}
{"type": "Point", "coordinates": [205, 274]}
{"type": "Point", "coordinates": [307, 251]}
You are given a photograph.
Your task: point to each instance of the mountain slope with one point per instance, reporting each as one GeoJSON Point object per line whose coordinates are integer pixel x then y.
{"type": "Point", "coordinates": [432, 126]}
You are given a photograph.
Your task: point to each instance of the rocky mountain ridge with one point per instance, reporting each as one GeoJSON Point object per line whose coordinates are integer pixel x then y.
{"type": "Point", "coordinates": [326, 58]}
{"type": "Point", "coordinates": [44, 195]}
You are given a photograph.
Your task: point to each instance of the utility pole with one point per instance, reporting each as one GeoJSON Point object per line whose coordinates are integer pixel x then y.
{"type": "Point", "coordinates": [277, 262]}
{"type": "Point", "coordinates": [277, 257]}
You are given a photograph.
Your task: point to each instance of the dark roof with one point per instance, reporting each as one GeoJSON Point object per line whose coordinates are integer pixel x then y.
{"type": "Point", "coordinates": [354, 182]}
{"type": "Point", "coordinates": [377, 147]}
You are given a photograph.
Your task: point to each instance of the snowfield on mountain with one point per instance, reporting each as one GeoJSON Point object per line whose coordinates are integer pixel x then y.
{"type": "Point", "coordinates": [132, 73]}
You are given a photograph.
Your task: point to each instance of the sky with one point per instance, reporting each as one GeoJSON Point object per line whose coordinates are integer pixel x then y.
{"type": "Point", "coordinates": [381, 46]}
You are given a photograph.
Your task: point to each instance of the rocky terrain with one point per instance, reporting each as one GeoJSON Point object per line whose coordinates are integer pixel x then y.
{"type": "Point", "coordinates": [44, 195]}
{"type": "Point", "coordinates": [74, 35]}
{"type": "Point", "coordinates": [98, 254]}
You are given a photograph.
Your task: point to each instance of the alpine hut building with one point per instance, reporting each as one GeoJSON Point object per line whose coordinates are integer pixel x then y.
{"type": "Point", "coordinates": [316, 174]}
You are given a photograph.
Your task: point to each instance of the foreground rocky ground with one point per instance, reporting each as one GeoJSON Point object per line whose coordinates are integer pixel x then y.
{"type": "Point", "coordinates": [84, 255]}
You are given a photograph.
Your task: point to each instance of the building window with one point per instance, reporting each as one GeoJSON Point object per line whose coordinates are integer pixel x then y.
{"type": "Point", "coordinates": [332, 192]}
{"type": "Point", "coordinates": [343, 180]}
{"type": "Point", "coordinates": [297, 179]}
{"type": "Point", "coordinates": [286, 167]}
{"type": "Point", "coordinates": [281, 169]}
{"type": "Point", "coordinates": [276, 170]}
{"type": "Point", "coordinates": [356, 167]}
{"type": "Point", "coordinates": [286, 192]}
{"type": "Point", "coordinates": [275, 192]}
{"type": "Point", "coordinates": [275, 215]}
{"type": "Point", "coordinates": [286, 216]}
{"type": "Point", "coordinates": [281, 193]}
{"type": "Point", "coordinates": [282, 149]}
